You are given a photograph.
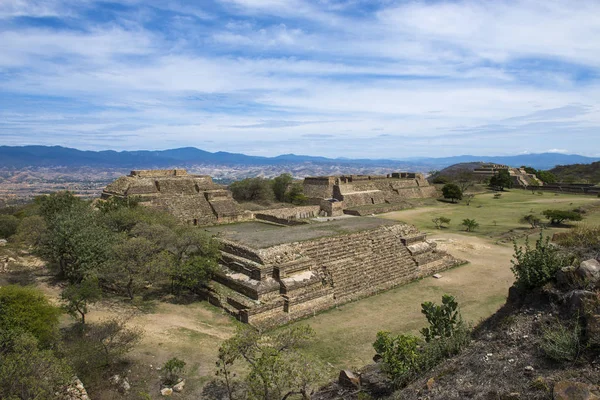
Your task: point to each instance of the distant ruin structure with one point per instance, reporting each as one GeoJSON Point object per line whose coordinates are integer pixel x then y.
{"type": "Point", "coordinates": [520, 177]}
{"type": "Point", "coordinates": [194, 199]}
{"type": "Point", "coordinates": [355, 191]}
{"type": "Point", "coordinates": [272, 275]}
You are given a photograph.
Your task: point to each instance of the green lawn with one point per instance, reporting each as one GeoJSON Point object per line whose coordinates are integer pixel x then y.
{"type": "Point", "coordinates": [495, 216]}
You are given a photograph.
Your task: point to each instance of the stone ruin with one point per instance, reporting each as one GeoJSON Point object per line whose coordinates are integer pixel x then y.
{"type": "Point", "coordinates": [273, 275]}
{"type": "Point", "coordinates": [354, 191]}
{"type": "Point", "coordinates": [194, 199]}
{"type": "Point", "coordinates": [519, 177]}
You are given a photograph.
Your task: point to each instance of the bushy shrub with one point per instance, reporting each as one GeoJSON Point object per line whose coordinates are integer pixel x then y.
{"type": "Point", "coordinates": [26, 309]}
{"type": "Point", "coordinates": [470, 224]}
{"type": "Point", "coordinates": [404, 357]}
{"type": "Point", "coordinates": [440, 222]}
{"type": "Point", "coordinates": [8, 226]}
{"type": "Point", "coordinates": [533, 267]}
{"type": "Point", "coordinates": [452, 191]}
{"type": "Point", "coordinates": [442, 318]}
{"type": "Point", "coordinates": [400, 354]}
{"type": "Point", "coordinates": [173, 368]}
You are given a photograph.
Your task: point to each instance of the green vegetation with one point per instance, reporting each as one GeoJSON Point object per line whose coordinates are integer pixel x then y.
{"type": "Point", "coordinates": [174, 369]}
{"type": "Point", "coordinates": [26, 309]}
{"type": "Point", "coordinates": [470, 224]}
{"type": "Point", "coordinates": [561, 342]}
{"type": "Point", "coordinates": [77, 297]}
{"type": "Point", "coordinates": [8, 226]}
{"type": "Point", "coordinates": [557, 217]}
{"type": "Point", "coordinates": [505, 211]}
{"type": "Point", "coordinates": [440, 222]}
{"type": "Point", "coordinates": [544, 176]}
{"type": "Point", "coordinates": [443, 319]}
{"type": "Point", "coordinates": [404, 357]}
{"type": "Point", "coordinates": [534, 266]}
{"type": "Point", "coordinates": [452, 191]}
{"type": "Point", "coordinates": [531, 219]}
{"type": "Point", "coordinates": [262, 190]}
{"type": "Point", "coordinates": [276, 368]}
{"type": "Point", "coordinates": [501, 180]}
{"type": "Point", "coordinates": [577, 173]}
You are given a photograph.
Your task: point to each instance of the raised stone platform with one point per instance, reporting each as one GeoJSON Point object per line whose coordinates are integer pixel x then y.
{"type": "Point", "coordinates": [194, 199]}
{"type": "Point", "coordinates": [271, 275]}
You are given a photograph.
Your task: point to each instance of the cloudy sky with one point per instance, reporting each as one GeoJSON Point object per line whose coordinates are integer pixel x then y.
{"type": "Point", "coordinates": [352, 78]}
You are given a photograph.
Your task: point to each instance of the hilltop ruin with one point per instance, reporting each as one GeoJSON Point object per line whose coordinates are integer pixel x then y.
{"type": "Point", "coordinates": [349, 193]}
{"type": "Point", "coordinates": [194, 199]}
{"type": "Point", "coordinates": [271, 275]}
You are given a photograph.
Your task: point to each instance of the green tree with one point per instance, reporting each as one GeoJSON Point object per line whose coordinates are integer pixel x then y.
{"type": "Point", "coordinates": [31, 230]}
{"type": "Point", "coordinates": [280, 185]}
{"type": "Point", "coordinates": [102, 344]}
{"type": "Point", "coordinates": [501, 180]}
{"type": "Point", "coordinates": [26, 309]}
{"type": "Point", "coordinates": [276, 368]}
{"type": "Point", "coordinates": [440, 222]}
{"type": "Point", "coordinates": [531, 219]}
{"type": "Point", "coordinates": [8, 226]}
{"type": "Point", "coordinates": [557, 217]}
{"type": "Point", "coordinates": [77, 297]}
{"type": "Point", "coordinates": [546, 177]}
{"type": "Point", "coordinates": [56, 203]}
{"type": "Point", "coordinates": [452, 191]}
{"type": "Point", "coordinates": [28, 372]}
{"type": "Point", "coordinates": [295, 195]}
{"type": "Point", "coordinates": [136, 262]}
{"type": "Point", "coordinates": [470, 224]}
{"type": "Point", "coordinates": [76, 243]}
{"type": "Point", "coordinates": [252, 189]}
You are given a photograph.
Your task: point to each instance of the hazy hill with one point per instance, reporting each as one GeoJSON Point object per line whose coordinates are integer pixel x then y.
{"type": "Point", "coordinates": [57, 156]}
{"type": "Point", "coordinates": [578, 173]}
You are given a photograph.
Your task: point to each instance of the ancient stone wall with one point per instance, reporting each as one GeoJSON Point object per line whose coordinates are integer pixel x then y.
{"type": "Point", "coordinates": [289, 215]}
{"type": "Point", "coordinates": [194, 199]}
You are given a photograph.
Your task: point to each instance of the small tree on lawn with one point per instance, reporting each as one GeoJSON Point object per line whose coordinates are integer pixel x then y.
{"type": "Point", "coordinates": [440, 222]}
{"type": "Point", "coordinates": [452, 191]}
{"type": "Point", "coordinates": [531, 219]}
{"type": "Point", "coordinates": [470, 224]}
{"type": "Point", "coordinates": [501, 180]}
{"type": "Point", "coordinates": [557, 217]}
{"type": "Point", "coordinates": [468, 198]}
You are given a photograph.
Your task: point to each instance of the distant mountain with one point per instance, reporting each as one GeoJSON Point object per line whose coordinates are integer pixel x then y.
{"type": "Point", "coordinates": [57, 156]}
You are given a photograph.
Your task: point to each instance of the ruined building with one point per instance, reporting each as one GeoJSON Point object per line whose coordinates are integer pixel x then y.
{"type": "Point", "coordinates": [271, 275]}
{"type": "Point", "coordinates": [355, 191]}
{"type": "Point", "coordinates": [194, 199]}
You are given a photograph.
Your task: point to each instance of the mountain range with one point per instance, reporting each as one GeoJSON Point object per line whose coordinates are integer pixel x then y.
{"type": "Point", "coordinates": [57, 156]}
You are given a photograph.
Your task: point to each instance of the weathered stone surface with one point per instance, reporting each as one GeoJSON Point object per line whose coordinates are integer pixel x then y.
{"type": "Point", "coordinates": [349, 379]}
{"type": "Point", "coordinates": [576, 299]}
{"type": "Point", "coordinates": [166, 392]}
{"type": "Point", "coordinates": [567, 390]}
{"type": "Point", "coordinates": [375, 381]}
{"type": "Point", "coordinates": [589, 271]}
{"type": "Point", "coordinates": [194, 199]}
{"type": "Point", "coordinates": [566, 277]}
{"type": "Point", "coordinates": [179, 387]}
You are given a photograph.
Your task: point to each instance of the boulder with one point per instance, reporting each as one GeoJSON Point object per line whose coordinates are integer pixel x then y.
{"type": "Point", "coordinates": [589, 271]}
{"type": "Point", "coordinates": [166, 392]}
{"type": "Point", "coordinates": [566, 277]}
{"type": "Point", "coordinates": [3, 242]}
{"type": "Point", "coordinates": [576, 299]}
{"type": "Point", "coordinates": [179, 387]}
{"type": "Point", "coordinates": [349, 379]}
{"type": "Point", "coordinates": [375, 381]}
{"type": "Point", "coordinates": [567, 390]}
{"type": "Point", "coordinates": [592, 329]}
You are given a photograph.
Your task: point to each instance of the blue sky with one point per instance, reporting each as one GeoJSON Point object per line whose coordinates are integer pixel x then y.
{"type": "Point", "coordinates": [353, 78]}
